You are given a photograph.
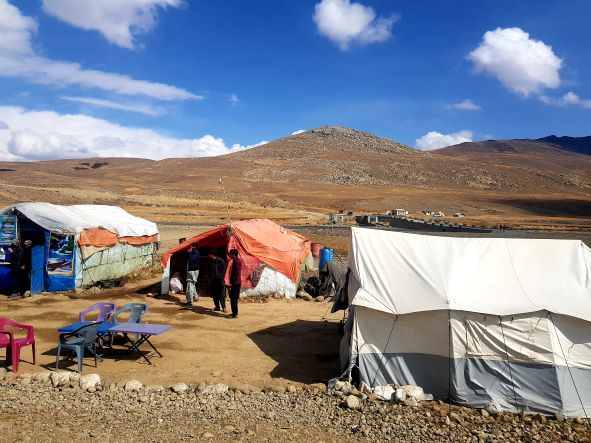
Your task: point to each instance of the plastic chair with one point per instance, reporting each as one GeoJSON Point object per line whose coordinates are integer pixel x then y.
{"type": "Point", "coordinates": [13, 344]}
{"type": "Point", "coordinates": [81, 339]}
{"type": "Point", "coordinates": [104, 311]}
{"type": "Point", "coordinates": [136, 312]}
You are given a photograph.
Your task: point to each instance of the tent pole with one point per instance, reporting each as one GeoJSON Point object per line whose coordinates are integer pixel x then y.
{"type": "Point", "coordinates": [569, 371]}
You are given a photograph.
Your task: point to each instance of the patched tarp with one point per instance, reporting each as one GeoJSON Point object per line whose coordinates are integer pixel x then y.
{"type": "Point", "coordinates": [257, 240]}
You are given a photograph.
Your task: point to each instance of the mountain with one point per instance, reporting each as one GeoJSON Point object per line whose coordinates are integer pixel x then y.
{"type": "Point", "coordinates": [319, 170]}
{"type": "Point", "coordinates": [581, 145]}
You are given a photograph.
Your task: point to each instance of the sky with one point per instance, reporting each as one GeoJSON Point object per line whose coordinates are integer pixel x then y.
{"type": "Point", "coordinates": [189, 78]}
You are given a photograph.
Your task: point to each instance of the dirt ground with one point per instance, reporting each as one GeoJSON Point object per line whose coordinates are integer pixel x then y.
{"type": "Point", "coordinates": [275, 342]}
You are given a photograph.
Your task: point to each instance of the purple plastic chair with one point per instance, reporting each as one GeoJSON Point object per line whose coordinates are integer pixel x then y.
{"type": "Point", "coordinates": [104, 311]}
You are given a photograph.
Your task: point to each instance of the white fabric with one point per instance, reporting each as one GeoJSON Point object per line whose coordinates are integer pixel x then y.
{"type": "Point", "coordinates": [76, 218]}
{"type": "Point", "coordinates": [271, 281]}
{"type": "Point", "coordinates": [403, 273]}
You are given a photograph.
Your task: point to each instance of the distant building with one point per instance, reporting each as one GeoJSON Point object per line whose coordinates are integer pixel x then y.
{"type": "Point", "coordinates": [399, 212]}
{"type": "Point", "coordinates": [459, 215]}
{"type": "Point", "coordinates": [438, 214]}
{"type": "Point", "coordinates": [428, 212]}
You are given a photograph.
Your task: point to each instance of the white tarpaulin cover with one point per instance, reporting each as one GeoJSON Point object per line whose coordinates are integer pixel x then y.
{"type": "Point", "coordinates": [404, 273]}
{"type": "Point", "coordinates": [74, 219]}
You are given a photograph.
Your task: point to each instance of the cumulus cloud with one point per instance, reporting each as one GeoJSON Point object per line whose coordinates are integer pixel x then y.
{"type": "Point", "coordinates": [45, 135]}
{"type": "Point", "coordinates": [299, 131]}
{"type": "Point", "coordinates": [466, 105]}
{"type": "Point", "coordinates": [233, 99]}
{"type": "Point", "coordinates": [141, 108]}
{"type": "Point", "coordinates": [344, 22]}
{"type": "Point", "coordinates": [120, 22]}
{"type": "Point", "coordinates": [568, 99]}
{"type": "Point", "coordinates": [435, 140]}
{"type": "Point", "coordinates": [3, 125]}
{"type": "Point", "coordinates": [18, 59]}
{"type": "Point", "coordinates": [523, 65]}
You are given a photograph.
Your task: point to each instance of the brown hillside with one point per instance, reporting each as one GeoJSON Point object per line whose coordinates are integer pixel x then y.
{"type": "Point", "coordinates": [301, 177]}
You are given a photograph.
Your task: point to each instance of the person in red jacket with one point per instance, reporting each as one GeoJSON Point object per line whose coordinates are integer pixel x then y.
{"type": "Point", "coordinates": [235, 281]}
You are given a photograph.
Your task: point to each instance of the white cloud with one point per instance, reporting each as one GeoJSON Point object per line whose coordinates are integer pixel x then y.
{"type": "Point", "coordinates": [524, 65]}
{"type": "Point", "coordinates": [344, 22]}
{"type": "Point", "coordinates": [141, 108]}
{"type": "Point", "coordinates": [44, 135]}
{"type": "Point", "coordinates": [3, 125]}
{"type": "Point", "coordinates": [299, 131]}
{"type": "Point", "coordinates": [568, 99]}
{"type": "Point", "coordinates": [120, 21]}
{"type": "Point", "coordinates": [233, 99]}
{"type": "Point", "coordinates": [466, 105]}
{"type": "Point", "coordinates": [435, 140]}
{"type": "Point", "coordinates": [18, 59]}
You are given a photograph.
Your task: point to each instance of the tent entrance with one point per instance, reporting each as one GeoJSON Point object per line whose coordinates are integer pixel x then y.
{"type": "Point", "coordinates": [178, 263]}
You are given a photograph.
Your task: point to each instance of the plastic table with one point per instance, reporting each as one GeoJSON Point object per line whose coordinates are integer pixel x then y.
{"type": "Point", "coordinates": [143, 332]}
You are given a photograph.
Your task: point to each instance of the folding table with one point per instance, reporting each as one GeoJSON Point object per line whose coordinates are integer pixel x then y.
{"type": "Point", "coordinates": [143, 331]}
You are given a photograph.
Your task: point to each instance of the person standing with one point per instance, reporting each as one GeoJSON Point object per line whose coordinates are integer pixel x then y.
{"type": "Point", "coordinates": [192, 274]}
{"type": "Point", "coordinates": [17, 266]}
{"type": "Point", "coordinates": [235, 282]}
{"type": "Point", "coordinates": [218, 289]}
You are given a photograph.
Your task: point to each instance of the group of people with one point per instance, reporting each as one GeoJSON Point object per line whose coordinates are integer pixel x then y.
{"type": "Point", "coordinates": [20, 266]}
{"type": "Point", "coordinates": [217, 279]}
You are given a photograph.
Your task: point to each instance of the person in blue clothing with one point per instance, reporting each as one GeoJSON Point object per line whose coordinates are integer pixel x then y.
{"type": "Point", "coordinates": [192, 274]}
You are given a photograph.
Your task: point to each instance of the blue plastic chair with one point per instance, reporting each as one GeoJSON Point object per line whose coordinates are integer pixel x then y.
{"type": "Point", "coordinates": [136, 312]}
{"type": "Point", "coordinates": [78, 341]}
{"type": "Point", "coordinates": [104, 309]}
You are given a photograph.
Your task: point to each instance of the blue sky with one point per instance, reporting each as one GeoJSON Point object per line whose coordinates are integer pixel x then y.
{"type": "Point", "coordinates": [163, 78]}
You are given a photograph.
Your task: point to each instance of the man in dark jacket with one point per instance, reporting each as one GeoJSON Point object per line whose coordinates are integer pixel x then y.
{"type": "Point", "coordinates": [17, 266]}
{"type": "Point", "coordinates": [235, 281]}
{"type": "Point", "coordinates": [192, 274]}
{"type": "Point", "coordinates": [218, 273]}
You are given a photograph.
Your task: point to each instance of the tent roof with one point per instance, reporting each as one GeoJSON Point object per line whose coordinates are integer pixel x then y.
{"type": "Point", "coordinates": [403, 273]}
{"type": "Point", "coordinates": [76, 218]}
{"type": "Point", "coordinates": [280, 248]}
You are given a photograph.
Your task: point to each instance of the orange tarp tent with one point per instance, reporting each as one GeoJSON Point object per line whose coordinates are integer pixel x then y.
{"type": "Point", "coordinates": [257, 240]}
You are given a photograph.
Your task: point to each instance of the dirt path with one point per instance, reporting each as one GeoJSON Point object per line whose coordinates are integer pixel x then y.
{"type": "Point", "coordinates": [270, 343]}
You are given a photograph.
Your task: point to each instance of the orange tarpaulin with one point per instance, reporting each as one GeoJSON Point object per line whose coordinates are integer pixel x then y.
{"type": "Point", "coordinates": [258, 240]}
{"type": "Point", "coordinates": [100, 237]}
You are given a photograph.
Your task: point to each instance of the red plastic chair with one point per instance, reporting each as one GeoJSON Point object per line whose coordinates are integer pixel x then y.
{"type": "Point", "coordinates": [14, 344]}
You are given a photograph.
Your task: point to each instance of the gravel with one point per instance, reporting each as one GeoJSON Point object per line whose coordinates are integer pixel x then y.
{"type": "Point", "coordinates": [33, 410]}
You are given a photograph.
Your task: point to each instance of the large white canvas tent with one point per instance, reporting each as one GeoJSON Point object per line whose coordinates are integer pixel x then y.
{"type": "Point", "coordinates": [79, 245]}
{"type": "Point", "coordinates": [473, 320]}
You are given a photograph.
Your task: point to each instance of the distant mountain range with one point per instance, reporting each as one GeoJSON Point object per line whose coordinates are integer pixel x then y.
{"type": "Point", "coordinates": [579, 145]}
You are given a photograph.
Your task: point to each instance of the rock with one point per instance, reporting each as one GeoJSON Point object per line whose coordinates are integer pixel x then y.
{"type": "Point", "coordinates": [217, 389]}
{"type": "Point", "coordinates": [352, 402]}
{"type": "Point", "coordinates": [301, 294]}
{"type": "Point", "coordinates": [493, 408]}
{"type": "Point", "coordinates": [372, 397]}
{"type": "Point", "coordinates": [269, 415]}
{"type": "Point", "coordinates": [133, 385]}
{"type": "Point", "coordinates": [318, 387]}
{"type": "Point", "coordinates": [579, 420]}
{"type": "Point", "coordinates": [75, 377]}
{"type": "Point", "coordinates": [400, 395]}
{"type": "Point", "coordinates": [291, 389]}
{"type": "Point", "coordinates": [559, 416]}
{"type": "Point", "coordinates": [307, 297]}
{"type": "Point", "coordinates": [43, 377]}
{"type": "Point", "coordinates": [484, 413]}
{"type": "Point", "coordinates": [143, 399]}
{"type": "Point", "coordinates": [410, 401]}
{"type": "Point", "coordinates": [179, 388]}
{"type": "Point", "coordinates": [207, 435]}
{"type": "Point", "coordinates": [154, 388]}
{"type": "Point", "coordinates": [89, 381]}
{"type": "Point", "coordinates": [229, 428]}
{"type": "Point", "coordinates": [320, 298]}
{"type": "Point", "coordinates": [59, 378]}
{"type": "Point", "coordinates": [415, 392]}
{"type": "Point", "coordinates": [384, 392]}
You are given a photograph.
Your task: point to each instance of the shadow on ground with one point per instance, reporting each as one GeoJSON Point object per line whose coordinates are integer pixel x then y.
{"type": "Point", "coordinates": [551, 208]}
{"type": "Point", "coordinates": [305, 351]}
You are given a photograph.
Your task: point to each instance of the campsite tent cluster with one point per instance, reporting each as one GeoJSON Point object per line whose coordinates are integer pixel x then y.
{"type": "Point", "coordinates": [481, 321]}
